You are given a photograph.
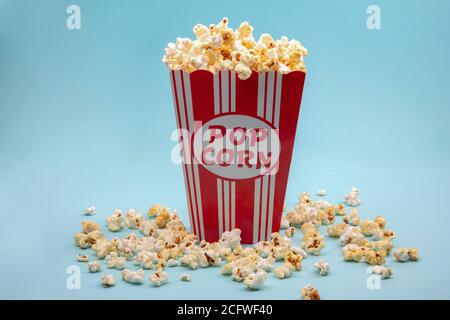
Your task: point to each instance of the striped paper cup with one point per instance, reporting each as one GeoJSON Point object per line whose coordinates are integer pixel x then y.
{"type": "Point", "coordinates": [236, 141]}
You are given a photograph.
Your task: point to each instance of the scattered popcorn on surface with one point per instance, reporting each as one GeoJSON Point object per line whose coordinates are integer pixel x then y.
{"type": "Point", "coordinates": [368, 227]}
{"type": "Point", "coordinates": [94, 266]}
{"type": "Point", "coordinates": [321, 193]}
{"type": "Point", "coordinates": [352, 218]}
{"type": "Point", "coordinates": [375, 257]}
{"type": "Point", "coordinates": [185, 277]}
{"type": "Point", "coordinates": [294, 259]}
{"type": "Point", "coordinates": [163, 218]}
{"type": "Point", "coordinates": [164, 242]}
{"type": "Point", "coordinates": [284, 223]}
{"type": "Point", "coordinates": [231, 239]}
{"type": "Point", "coordinates": [313, 242]}
{"type": "Point", "coordinates": [300, 252]}
{"type": "Point", "coordinates": [380, 221]}
{"type": "Point", "coordinates": [82, 258]}
{"type": "Point", "coordinates": [159, 278]}
{"type": "Point", "coordinates": [115, 221]}
{"type": "Point", "coordinates": [381, 245]}
{"type": "Point", "coordinates": [172, 263]}
{"type": "Point", "coordinates": [108, 280]}
{"type": "Point", "coordinates": [290, 232]}
{"type": "Point", "coordinates": [90, 211]}
{"type": "Point", "coordinates": [113, 260]}
{"type": "Point", "coordinates": [383, 234]}
{"type": "Point", "coordinates": [406, 254]}
{"type": "Point", "coordinates": [154, 210]}
{"type": "Point", "coordinates": [283, 271]}
{"type": "Point", "coordinates": [146, 259]}
{"type": "Point", "coordinates": [340, 210]}
{"type": "Point", "coordinates": [352, 198]}
{"type": "Point", "coordinates": [255, 280]}
{"type": "Point", "coordinates": [323, 267]}
{"type": "Point", "coordinates": [310, 293]}
{"type": "Point", "coordinates": [356, 253]}
{"type": "Point", "coordinates": [266, 264]}
{"type": "Point", "coordinates": [336, 230]}
{"type": "Point", "coordinates": [352, 235]}
{"type": "Point", "coordinates": [88, 226]}
{"type": "Point", "coordinates": [327, 216]}
{"type": "Point", "coordinates": [219, 47]}
{"type": "Point", "coordinates": [382, 271]}
{"type": "Point", "coordinates": [133, 219]}
{"type": "Point", "coordinates": [352, 252]}
{"type": "Point", "coordinates": [135, 277]}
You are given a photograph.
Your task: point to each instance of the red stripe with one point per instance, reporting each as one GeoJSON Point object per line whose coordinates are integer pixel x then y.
{"type": "Point", "coordinates": [196, 212]}
{"type": "Point", "coordinates": [265, 95]}
{"type": "Point", "coordinates": [291, 96]}
{"type": "Point", "coordinates": [194, 229]}
{"type": "Point", "coordinates": [260, 208]}
{"type": "Point", "coordinates": [184, 100]}
{"type": "Point", "coordinates": [246, 104]}
{"type": "Point", "coordinates": [202, 92]}
{"type": "Point", "coordinates": [269, 232]}
{"type": "Point", "coordinates": [274, 97]}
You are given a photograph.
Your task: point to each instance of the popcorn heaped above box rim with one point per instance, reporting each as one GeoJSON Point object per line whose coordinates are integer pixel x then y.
{"type": "Point", "coordinates": [218, 47]}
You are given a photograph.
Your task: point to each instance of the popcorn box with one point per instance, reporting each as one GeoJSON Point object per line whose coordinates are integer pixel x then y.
{"type": "Point", "coordinates": [236, 141]}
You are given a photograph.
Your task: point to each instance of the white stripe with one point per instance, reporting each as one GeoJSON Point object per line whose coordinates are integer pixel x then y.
{"type": "Point", "coordinates": [184, 125]}
{"type": "Point", "coordinates": [198, 195]}
{"type": "Point", "coordinates": [219, 205]}
{"type": "Point", "coordinates": [225, 91]}
{"type": "Point", "coordinates": [184, 166]}
{"type": "Point", "coordinates": [199, 201]}
{"type": "Point", "coordinates": [233, 205]}
{"type": "Point", "coordinates": [256, 209]}
{"type": "Point", "coordinates": [187, 93]}
{"type": "Point", "coordinates": [267, 209]}
{"type": "Point", "coordinates": [226, 197]}
{"type": "Point", "coordinates": [219, 181]}
{"type": "Point", "coordinates": [269, 97]}
{"type": "Point", "coordinates": [271, 200]}
{"type": "Point", "coordinates": [265, 180]}
{"type": "Point", "coordinates": [273, 177]}
{"type": "Point", "coordinates": [233, 91]}
{"type": "Point", "coordinates": [216, 93]}
{"type": "Point", "coordinates": [174, 99]}
{"type": "Point", "coordinates": [180, 99]}
{"type": "Point", "coordinates": [276, 117]}
{"type": "Point", "coordinates": [261, 89]}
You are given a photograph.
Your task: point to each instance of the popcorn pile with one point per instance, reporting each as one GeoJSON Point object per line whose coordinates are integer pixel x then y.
{"type": "Point", "coordinates": [162, 241]}
{"type": "Point", "coordinates": [218, 47]}
{"type": "Point", "coordinates": [310, 293]}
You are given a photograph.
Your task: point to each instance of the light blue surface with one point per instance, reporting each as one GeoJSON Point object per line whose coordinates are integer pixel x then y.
{"type": "Point", "coordinates": [86, 118]}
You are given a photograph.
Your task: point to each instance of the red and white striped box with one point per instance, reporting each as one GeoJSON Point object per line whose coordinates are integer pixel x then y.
{"type": "Point", "coordinates": [236, 139]}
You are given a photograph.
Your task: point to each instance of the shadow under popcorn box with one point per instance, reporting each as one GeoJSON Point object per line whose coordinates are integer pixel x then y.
{"type": "Point", "coordinates": [236, 138]}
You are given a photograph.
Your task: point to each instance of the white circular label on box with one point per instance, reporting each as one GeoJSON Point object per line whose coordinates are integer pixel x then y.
{"type": "Point", "coordinates": [237, 147]}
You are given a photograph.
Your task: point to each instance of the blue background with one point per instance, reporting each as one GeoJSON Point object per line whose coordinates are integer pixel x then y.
{"type": "Point", "coordinates": [86, 118]}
